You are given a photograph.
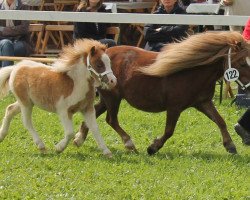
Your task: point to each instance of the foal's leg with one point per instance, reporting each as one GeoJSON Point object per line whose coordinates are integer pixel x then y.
{"type": "Point", "coordinates": [67, 123]}
{"type": "Point", "coordinates": [81, 135]}
{"type": "Point", "coordinates": [90, 119]}
{"type": "Point", "coordinates": [210, 111]}
{"type": "Point", "coordinates": [27, 121]}
{"type": "Point", "coordinates": [172, 118]}
{"type": "Point", "coordinates": [10, 112]}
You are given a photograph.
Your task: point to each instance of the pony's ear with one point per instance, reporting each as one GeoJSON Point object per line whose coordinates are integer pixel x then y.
{"type": "Point", "coordinates": [92, 51]}
{"type": "Point", "coordinates": [238, 44]}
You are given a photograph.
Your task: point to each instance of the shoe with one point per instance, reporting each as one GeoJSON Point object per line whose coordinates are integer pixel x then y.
{"type": "Point", "coordinates": [244, 134]}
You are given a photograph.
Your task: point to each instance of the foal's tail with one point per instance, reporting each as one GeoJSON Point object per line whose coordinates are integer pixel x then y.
{"type": "Point", "coordinates": [4, 80]}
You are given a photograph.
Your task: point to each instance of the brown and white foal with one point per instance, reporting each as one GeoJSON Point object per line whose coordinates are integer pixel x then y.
{"type": "Point", "coordinates": [64, 88]}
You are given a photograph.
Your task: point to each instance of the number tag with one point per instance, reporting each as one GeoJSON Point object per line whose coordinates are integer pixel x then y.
{"type": "Point", "coordinates": [231, 74]}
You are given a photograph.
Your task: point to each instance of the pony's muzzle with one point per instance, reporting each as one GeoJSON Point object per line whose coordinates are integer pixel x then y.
{"type": "Point", "coordinates": [111, 80]}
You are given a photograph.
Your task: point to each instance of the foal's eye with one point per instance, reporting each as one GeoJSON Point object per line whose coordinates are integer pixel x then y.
{"type": "Point", "coordinates": [99, 65]}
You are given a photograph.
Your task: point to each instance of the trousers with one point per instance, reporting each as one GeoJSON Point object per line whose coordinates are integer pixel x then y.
{"type": "Point", "coordinates": [244, 121]}
{"type": "Point", "coordinates": [11, 48]}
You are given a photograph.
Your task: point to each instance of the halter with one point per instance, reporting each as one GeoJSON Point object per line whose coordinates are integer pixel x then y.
{"type": "Point", "coordinates": [99, 75]}
{"type": "Point", "coordinates": [243, 86]}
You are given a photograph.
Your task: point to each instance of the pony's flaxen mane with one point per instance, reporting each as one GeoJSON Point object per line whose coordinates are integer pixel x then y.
{"type": "Point", "coordinates": [197, 50]}
{"type": "Point", "coordinates": [71, 54]}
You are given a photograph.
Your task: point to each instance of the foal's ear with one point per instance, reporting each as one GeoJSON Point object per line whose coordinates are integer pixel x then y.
{"type": "Point", "coordinates": [92, 51]}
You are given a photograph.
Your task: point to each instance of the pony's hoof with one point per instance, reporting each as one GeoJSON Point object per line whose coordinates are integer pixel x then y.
{"type": "Point", "coordinates": [129, 145]}
{"type": "Point", "coordinates": [232, 150]}
{"type": "Point", "coordinates": [151, 150]}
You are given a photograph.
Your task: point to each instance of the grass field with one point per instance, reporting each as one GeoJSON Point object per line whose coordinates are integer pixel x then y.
{"type": "Point", "coordinates": [193, 164]}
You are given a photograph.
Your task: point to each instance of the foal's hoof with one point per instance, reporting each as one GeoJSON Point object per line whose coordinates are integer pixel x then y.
{"type": "Point", "coordinates": [151, 150]}
{"type": "Point", "coordinates": [77, 143]}
{"type": "Point", "coordinates": [107, 153]}
{"type": "Point", "coordinates": [58, 148]}
{"type": "Point", "coordinates": [43, 150]}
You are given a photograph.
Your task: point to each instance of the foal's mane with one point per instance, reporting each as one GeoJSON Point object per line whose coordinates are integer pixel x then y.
{"type": "Point", "coordinates": [197, 50]}
{"type": "Point", "coordinates": [71, 54]}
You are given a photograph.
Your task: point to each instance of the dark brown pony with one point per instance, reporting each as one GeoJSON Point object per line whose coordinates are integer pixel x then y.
{"type": "Point", "coordinates": [183, 75]}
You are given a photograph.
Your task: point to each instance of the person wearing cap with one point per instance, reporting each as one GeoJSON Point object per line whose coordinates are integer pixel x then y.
{"type": "Point", "coordinates": [242, 128]}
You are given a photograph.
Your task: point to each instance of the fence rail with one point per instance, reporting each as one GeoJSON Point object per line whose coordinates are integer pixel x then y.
{"type": "Point", "coordinates": [124, 17]}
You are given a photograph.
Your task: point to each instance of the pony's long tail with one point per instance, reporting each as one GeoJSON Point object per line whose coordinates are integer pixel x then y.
{"type": "Point", "coordinates": [4, 80]}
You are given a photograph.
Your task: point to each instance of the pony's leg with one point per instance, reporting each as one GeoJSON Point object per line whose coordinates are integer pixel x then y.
{"type": "Point", "coordinates": [27, 121]}
{"type": "Point", "coordinates": [172, 118]}
{"type": "Point", "coordinates": [210, 111]}
{"type": "Point", "coordinates": [11, 111]}
{"type": "Point", "coordinates": [90, 119]}
{"type": "Point", "coordinates": [67, 123]}
{"type": "Point", "coordinates": [112, 120]}
{"type": "Point", "coordinates": [81, 135]}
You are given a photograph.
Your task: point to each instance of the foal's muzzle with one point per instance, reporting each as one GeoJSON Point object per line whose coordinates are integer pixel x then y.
{"type": "Point", "coordinates": [106, 79]}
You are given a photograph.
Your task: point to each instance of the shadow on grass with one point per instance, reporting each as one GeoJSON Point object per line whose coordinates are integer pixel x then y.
{"type": "Point", "coordinates": [205, 156]}
{"type": "Point", "coordinates": [124, 156]}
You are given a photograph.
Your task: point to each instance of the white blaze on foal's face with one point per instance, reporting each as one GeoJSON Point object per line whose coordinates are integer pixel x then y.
{"type": "Point", "coordinates": [110, 76]}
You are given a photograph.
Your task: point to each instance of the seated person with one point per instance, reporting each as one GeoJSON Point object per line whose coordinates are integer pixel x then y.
{"type": "Point", "coordinates": [157, 35]}
{"type": "Point", "coordinates": [14, 34]}
{"type": "Point", "coordinates": [96, 31]}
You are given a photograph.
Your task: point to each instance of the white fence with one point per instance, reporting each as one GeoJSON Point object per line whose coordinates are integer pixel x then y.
{"type": "Point", "coordinates": [123, 17]}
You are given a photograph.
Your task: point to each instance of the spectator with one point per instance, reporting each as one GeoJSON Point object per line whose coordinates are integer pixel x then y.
{"type": "Point", "coordinates": [157, 35]}
{"type": "Point", "coordinates": [14, 34]}
{"type": "Point", "coordinates": [96, 31]}
{"type": "Point", "coordinates": [236, 7]}
{"type": "Point", "coordinates": [243, 126]}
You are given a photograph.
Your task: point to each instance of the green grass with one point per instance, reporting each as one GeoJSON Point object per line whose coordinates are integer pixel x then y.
{"type": "Point", "coordinates": [193, 164]}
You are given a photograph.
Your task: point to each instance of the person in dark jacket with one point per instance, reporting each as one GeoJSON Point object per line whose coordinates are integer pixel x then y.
{"type": "Point", "coordinates": [157, 35]}
{"type": "Point", "coordinates": [14, 34]}
{"type": "Point", "coordinates": [96, 31]}
{"type": "Point", "coordinates": [242, 128]}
